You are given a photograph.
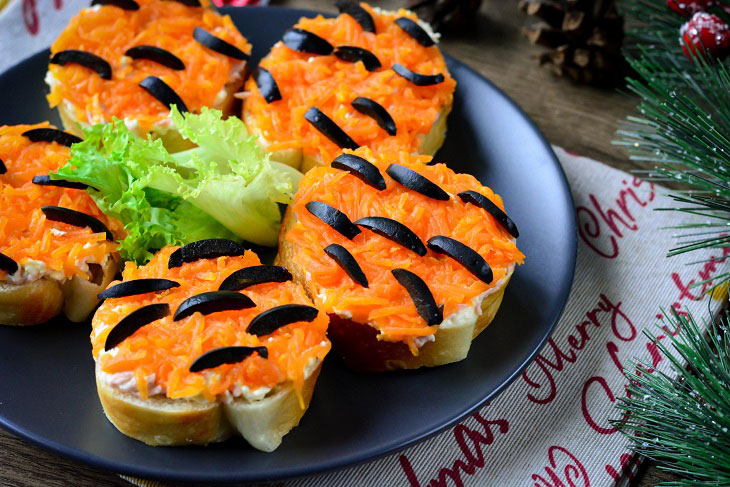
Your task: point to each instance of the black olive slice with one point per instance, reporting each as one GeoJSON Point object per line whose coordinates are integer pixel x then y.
{"type": "Point", "coordinates": [51, 135]}
{"type": "Point", "coordinates": [347, 262]}
{"type": "Point", "coordinates": [330, 129]}
{"type": "Point", "coordinates": [417, 78]}
{"type": "Point", "coordinates": [85, 59]}
{"type": "Point", "coordinates": [60, 183]}
{"type": "Point", "coordinates": [421, 296]}
{"type": "Point", "coordinates": [482, 201]}
{"type": "Point", "coordinates": [77, 219]}
{"type": "Point", "coordinates": [395, 231]}
{"type": "Point", "coordinates": [188, 3]}
{"type": "Point", "coordinates": [123, 4]}
{"type": "Point", "coordinates": [377, 112]}
{"type": "Point", "coordinates": [225, 355]}
{"type": "Point", "coordinates": [7, 264]}
{"type": "Point", "coordinates": [204, 249]}
{"type": "Point", "coordinates": [257, 274]}
{"type": "Point", "coordinates": [334, 218]}
{"type": "Point", "coordinates": [462, 254]}
{"type": "Point", "coordinates": [410, 179]}
{"type": "Point", "coordinates": [164, 94]}
{"type": "Point", "coordinates": [3, 169]}
{"type": "Point", "coordinates": [156, 54]}
{"type": "Point", "coordinates": [352, 54]}
{"type": "Point", "coordinates": [416, 31]}
{"type": "Point", "coordinates": [361, 169]}
{"type": "Point", "coordinates": [134, 321]}
{"type": "Point", "coordinates": [137, 286]}
{"type": "Point", "coordinates": [213, 302]}
{"type": "Point", "coordinates": [302, 40]}
{"type": "Point", "coordinates": [218, 45]}
{"type": "Point", "coordinates": [354, 10]}
{"type": "Point", "coordinates": [267, 85]}
{"type": "Point", "coordinates": [272, 319]}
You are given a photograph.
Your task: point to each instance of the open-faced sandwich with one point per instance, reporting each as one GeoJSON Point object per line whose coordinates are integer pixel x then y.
{"type": "Point", "coordinates": [204, 341]}
{"type": "Point", "coordinates": [57, 249]}
{"type": "Point", "coordinates": [133, 59]}
{"type": "Point", "coordinates": [366, 78]}
{"type": "Point", "coordinates": [409, 260]}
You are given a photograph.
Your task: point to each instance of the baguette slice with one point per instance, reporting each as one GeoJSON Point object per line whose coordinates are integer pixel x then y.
{"type": "Point", "coordinates": [260, 395]}
{"type": "Point", "coordinates": [159, 421]}
{"type": "Point", "coordinates": [330, 84]}
{"type": "Point", "coordinates": [358, 343]}
{"type": "Point", "coordinates": [296, 158]}
{"type": "Point", "coordinates": [378, 323]}
{"type": "Point", "coordinates": [47, 281]}
{"type": "Point", "coordinates": [209, 78]}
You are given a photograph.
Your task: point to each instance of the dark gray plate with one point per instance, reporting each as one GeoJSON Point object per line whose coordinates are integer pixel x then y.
{"type": "Point", "coordinates": [47, 391]}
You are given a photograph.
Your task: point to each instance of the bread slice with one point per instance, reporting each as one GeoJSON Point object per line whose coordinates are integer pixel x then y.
{"type": "Point", "coordinates": [171, 138]}
{"type": "Point", "coordinates": [430, 143]}
{"type": "Point", "coordinates": [159, 421]}
{"type": "Point", "coordinates": [330, 84]}
{"type": "Point", "coordinates": [358, 343]}
{"type": "Point", "coordinates": [38, 301]}
{"type": "Point", "coordinates": [178, 379]}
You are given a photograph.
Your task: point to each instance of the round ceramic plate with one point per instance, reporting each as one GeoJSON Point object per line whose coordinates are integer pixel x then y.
{"type": "Point", "coordinates": [47, 390]}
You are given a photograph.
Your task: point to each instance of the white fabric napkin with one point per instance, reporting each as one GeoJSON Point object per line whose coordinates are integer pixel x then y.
{"type": "Point", "coordinates": [550, 427]}
{"type": "Point", "coordinates": [29, 26]}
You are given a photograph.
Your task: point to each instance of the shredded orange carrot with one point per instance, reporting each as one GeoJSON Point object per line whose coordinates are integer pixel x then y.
{"type": "Point", "coordinates": [307, 80]}
{"type": "Point", "coordinates": [108, 31]}
{"type": "Point", "coordinates": [166, 348]}
{"type": "Point", "coordinates": [25, 233]}
{"type": "Point", "coordinates": [385, 304]}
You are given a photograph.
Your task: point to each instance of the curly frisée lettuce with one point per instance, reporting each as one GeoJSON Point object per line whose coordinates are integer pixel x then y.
{"type": "Point", "coordinates": [224, 188]}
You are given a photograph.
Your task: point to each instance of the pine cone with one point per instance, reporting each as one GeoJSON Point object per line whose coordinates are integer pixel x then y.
{"type": "Point", "coordinates": [584, 37]}
{"type": "Point", "coordinates": [445, 14]}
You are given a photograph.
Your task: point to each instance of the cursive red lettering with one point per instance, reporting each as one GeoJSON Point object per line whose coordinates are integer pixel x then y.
{"type": "Point", "coordinates": [584, 404]}
{"type": "Point", "coordinates": [571, 472]}
{"type": "Point", "coordinates": [684, 288]}
{"type": "Point", "coordinates": [590, 231]}
{"type": "Point", "coordinates": [30, 16]}
{"type": "Point", "coordinates": [470, 443]}
{"type": "Point", "coordinates": [547, 366]}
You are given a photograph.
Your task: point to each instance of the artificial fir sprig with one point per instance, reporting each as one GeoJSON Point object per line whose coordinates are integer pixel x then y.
{"type": "Point", "coordinates": [684, 128]}
{"type": "Point", "coordinates": [684, 423]}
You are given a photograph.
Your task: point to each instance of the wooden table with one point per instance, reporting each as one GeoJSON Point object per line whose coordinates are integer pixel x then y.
{"type": "Point", "coordinates": [579, 118]}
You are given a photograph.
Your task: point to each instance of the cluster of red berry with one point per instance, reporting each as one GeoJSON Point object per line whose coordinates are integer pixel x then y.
{"type": "Point", "coordinates": [704, 32]}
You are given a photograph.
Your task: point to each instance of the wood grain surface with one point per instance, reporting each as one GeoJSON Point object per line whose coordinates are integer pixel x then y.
{"type": "Point", "coordinates": [581, 119]}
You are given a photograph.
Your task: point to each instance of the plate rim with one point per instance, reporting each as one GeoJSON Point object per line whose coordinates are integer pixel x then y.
{"type": "Point", "coordinates": [364, 457]}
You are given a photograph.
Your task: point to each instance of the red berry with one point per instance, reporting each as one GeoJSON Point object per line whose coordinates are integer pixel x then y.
{"type": "Point", "coordinates": [705, 33]}
{"type": "Point", "coordinates": [689, 7]}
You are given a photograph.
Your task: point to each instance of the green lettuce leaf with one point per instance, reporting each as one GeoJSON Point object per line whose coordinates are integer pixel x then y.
{"type": "Point", "coordinates": [225, 188]}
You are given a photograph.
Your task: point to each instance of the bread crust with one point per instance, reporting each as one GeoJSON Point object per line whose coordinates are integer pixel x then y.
{"type": "Point", "coordinates": [430, 143]}
{"type": "Point", "coordinates": [36, 302]}
{"type": "Point", "coordinates": [358, 344]}
{"type": "Point", "coordinates": [171, 139]}
{"type": "Point", "coordinates": [159, 421]}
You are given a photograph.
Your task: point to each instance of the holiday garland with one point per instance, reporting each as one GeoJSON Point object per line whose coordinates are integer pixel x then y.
{"type": "Point", "coordinates": [677, 49]}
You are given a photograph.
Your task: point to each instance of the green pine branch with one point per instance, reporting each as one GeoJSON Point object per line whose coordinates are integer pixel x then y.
{"type": "Point", "coordinates": [683, 423]}
{"type": "Point", "coordinates": [683, 130]}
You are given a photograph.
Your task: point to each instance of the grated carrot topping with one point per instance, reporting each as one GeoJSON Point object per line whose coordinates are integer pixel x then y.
{"type": "Point", "coordinates": [386, 304]}
{"type": "Point", "coordinates": [166, 348]}
{"type": "Point", "coordinates": [25, 234]}
{"type": "Point", "coordinates": [307, 80]}
{"type": "Point", "coordinates": [109, 32]}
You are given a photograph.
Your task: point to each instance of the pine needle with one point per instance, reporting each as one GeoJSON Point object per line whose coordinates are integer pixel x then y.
{"type": "Point", "coordinates": [684, 127]}
{"type": "Point", "coordinates": [683, 423]}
